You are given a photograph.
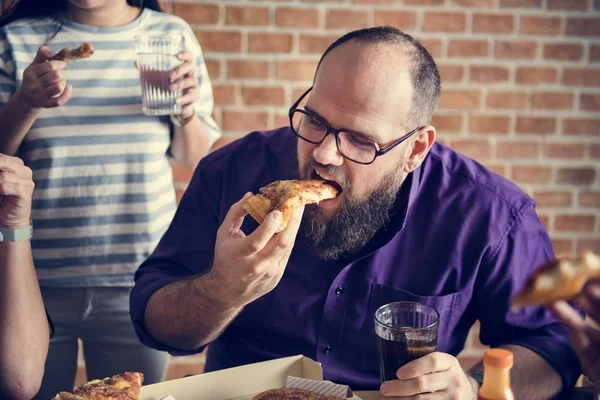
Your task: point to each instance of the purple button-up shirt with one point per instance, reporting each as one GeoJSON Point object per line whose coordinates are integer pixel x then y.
{"type": "Point", "coordinates": [462, 240]}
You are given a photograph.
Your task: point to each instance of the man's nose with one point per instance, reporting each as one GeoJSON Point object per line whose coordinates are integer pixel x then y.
{"type": "Point", "coordinates": [327, 152]}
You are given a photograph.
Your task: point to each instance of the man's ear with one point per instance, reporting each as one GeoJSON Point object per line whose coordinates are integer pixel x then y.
{"type": "Point", "coordinates": [420, 146]}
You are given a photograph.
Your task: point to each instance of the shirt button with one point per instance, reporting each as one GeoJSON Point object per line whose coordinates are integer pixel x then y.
{"type": "Point", "coordinates": [327, 349]}
{"type": "Point", "coordinates": [339, 290]}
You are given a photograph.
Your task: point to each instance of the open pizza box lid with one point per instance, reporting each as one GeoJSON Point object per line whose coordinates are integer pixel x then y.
{"type": "Point", "coordinates": [239, 383]}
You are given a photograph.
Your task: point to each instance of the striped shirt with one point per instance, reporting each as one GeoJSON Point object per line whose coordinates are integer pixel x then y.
{"type": "Point", "coordinates": [104, 191]}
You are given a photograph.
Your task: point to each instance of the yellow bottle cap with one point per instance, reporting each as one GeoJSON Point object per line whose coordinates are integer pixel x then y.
{"type": "Point", "coordinates": [499, 358]}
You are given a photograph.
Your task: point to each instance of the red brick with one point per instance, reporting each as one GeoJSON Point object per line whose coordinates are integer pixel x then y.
{"type": "Point", "coordinates": [244, 121]}
{"type": "Point", "coordinates": [346, 19]}
{"type": "Point", "coordinates": [539, 125]}
{"type": "Point", "coordinates": [270, 42]}
{"type": "Point", "coordinates": [235, 15]}
{"type": "Point", "coordinates": [281, 120]}
{"type": "Point", "coordinates": [575, 223]}
{"type": "Point", "coordinates": [220, 142]}
{"type": "Point", "coordinates": [546, 220]}
{"type": "Point", "coordinates": [468, 48]}
{"type": "Point", "coordinates": [478, 149]}
{"type": "Point", "coordinates": [562, 247]}
{"type": "Point", "coordinates": [589, 199]}
{"type": "Point", "coordinates": [581, 77]}
{"type": "Point", "coordinates": [444, 22]}
{"type": "Point", "coordinates": [297, 17]}
{"type": "Point", "coordinates": [515, 50]}
{"type": "Point", "coordinates": [589, 102]}
{"type": "Point", "coordinates": [568, 5]}
{"type": "Point", "coordinates": [489, 124]}
{"type": "Point", "coordinates": [247, 69]}
{"type": "Point", "coordinates": [263, 96]}
{"type": "Point", "coordinates": [581, 127]}
{"type": "Point", "coordinates": [371, 1]}
{"type": "Point", "coordinates": [447, 123]}
{"type": "Point", "coordinates": [296, 70]}
{"type": "Point", "coordinates": [214, 68]}
{"type": "Point", "coordinates": [474, 3]}
{"type": "Point", "coordinates": [576, 176]}
{"type": "Point", "coordinates": [552, 198]}
{"type": "Point", "coordinates": [316, 44]}
{"type": "Point", "coordinates": [497, 169]}
{"type": "Point", "coordinates": [403, 20]}
{"type": "Point", "coordinates": [594, 53]}
{"type": "Point", "coordinates": [460, 99]}
{"type": "Point", "coordinates": [450, 73]}
{"type": "Point", "coordinates": [521, 3]}
{"type": "Point", "coordinates": [565, 150]}
{"type": "Point", "coordinates": [517, 150]}
{"type": "Point", "coordinates": [512, 100]}
{"type": "Point", "coordinates": [595, 151]}
{"type": "Point", "coordinates": [552, 101]}
{"type": "Point", "coordinates": [540, 25]}
{"type": "Point", "coordinates": [220, 41]}
{"type": "Point", "coordinates": [528, 174]}
{"type": "Point", "coordinates": [536, 75]}
{"type": "Point", "coordinates": [563, 51]}
{"type": "Point", "coordinates": [424, 2]}
{"type": "Point", "coordinates": [493, 23]}
{"type": "Point", "coordinates": [224, 94]}
{"type": "Point", "coordinates": [588, 245]}
{"type": "Point", "coordinates": [433, 46]}
{"type": "Point", "coordinates": [583, 26]}
{"type": "Point", "coordinates": [488, 74]}
{"type": "Point", "coordinates": [194, 13]}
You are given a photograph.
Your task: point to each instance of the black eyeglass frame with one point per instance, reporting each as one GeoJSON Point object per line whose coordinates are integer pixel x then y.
{"type": "Point", "coordinates": [379, 151]}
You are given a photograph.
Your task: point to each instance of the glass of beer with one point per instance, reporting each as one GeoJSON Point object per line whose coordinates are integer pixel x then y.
{"type": "Point", "coordinates": [405, 331]}
{"type": "Point", "coordinates": [156, 58]}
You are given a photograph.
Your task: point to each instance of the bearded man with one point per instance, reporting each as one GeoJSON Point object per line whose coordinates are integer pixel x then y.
{"type": "Point", "coordinates": [415, 221]}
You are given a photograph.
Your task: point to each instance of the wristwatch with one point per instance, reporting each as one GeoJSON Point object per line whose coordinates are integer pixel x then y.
{"type": "Point", "coordinates": [16, 235]}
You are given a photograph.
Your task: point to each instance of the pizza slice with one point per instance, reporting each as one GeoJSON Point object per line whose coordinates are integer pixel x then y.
{"type": "Point", "coordinates": [292, 394]}
{"type": "Point", "coordinates": [85, 50]}
{"type": "Point", "coordinates": [285, 196]}
{"type": "Point", "coordinates": [561, 279]}
{"type": "Point", "coordinates": [126, 386]}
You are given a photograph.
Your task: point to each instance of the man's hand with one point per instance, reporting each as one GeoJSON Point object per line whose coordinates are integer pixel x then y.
{"type": "Point", "coordinates": [248, 267]}
{"type": "Point", "coordinates": [434, 376]}
{"type": "Point", "coordinates": [585, 337]}
{"type": "Point", "coordinates": [16, 191]}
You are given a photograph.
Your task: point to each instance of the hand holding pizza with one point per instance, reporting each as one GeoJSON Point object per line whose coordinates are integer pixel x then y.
{"type": "Point", "coordinates": [585, 336]}
{"type": "Point", "coordinates": [248, 267]}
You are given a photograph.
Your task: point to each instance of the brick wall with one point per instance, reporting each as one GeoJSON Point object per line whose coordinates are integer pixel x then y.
{"type": "Point", "coordinates": [520, 85]}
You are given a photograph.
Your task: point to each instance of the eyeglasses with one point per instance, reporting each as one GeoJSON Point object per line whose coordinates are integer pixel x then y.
{"type": "Point", "coordinates": [354, 146]}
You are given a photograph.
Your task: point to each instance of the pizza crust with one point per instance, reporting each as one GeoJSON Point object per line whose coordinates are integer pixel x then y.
{"type": "Point", "coordinates": [292, 394]}
{"type": "Point", "coordinates": [125, 386]}
{"type": "Point", "coordinates": [562, 279]}
{"type": "Point", "coordinates": [287, 195]}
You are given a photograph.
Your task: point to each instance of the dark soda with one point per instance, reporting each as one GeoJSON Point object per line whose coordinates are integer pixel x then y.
{"type": "Point", "coordinates": [395, 354]}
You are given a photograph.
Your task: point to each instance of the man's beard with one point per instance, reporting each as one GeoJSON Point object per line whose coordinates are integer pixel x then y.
{"type": "Point", "coordinates": [356, 222]}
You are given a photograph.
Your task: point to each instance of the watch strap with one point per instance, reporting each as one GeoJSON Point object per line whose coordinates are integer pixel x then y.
{"type": "Point", "coordinates": [16, 235]}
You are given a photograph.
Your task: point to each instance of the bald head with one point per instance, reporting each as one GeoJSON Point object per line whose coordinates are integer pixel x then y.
{"type": "Point", "coordinates": [384, 59]}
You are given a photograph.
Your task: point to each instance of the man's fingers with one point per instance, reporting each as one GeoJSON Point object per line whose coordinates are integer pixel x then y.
{"type": "Point", "coordinates": [424, 396]}
{"type": "Point", "coordinates": [48, 67]}
{"type": "Point", "coordinates": [60, 100]}
{"type": "Point", "coordinates": [50, 78]}
{"type": "Point", "coordinates": [258, 239]}
{"type": "Point", "coordinates": [181, 70]}
{"type": "Point", "coordinates": [284, 242]}
{"type": "Point", "coordinates": [567, 314]}
{"type": "Point", "coordinates": [235, 216]}
{"type": "Point", "coordinates": [188, 98]}
{"type": "Point", "coordinates": [421, 384]}
{"type": "Point", "coordinates": [433, 362]}
{"type": "Point", "coordinates": [14, 165]}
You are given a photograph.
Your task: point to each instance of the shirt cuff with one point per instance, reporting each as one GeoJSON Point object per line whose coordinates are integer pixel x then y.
{"type": "Point", "coordinates": [144, 288]}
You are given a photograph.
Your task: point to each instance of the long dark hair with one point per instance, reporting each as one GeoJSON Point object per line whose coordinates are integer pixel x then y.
{"type": "Point", "coordinates": [55, 9]}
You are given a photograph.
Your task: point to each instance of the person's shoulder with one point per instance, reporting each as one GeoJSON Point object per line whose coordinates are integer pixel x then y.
{"type": "Point", "coordinates": [470, 176]}
{"type": "Point", "coordinates": [43, 26]}
{"type": "Point", "coordinates": [165, 21]}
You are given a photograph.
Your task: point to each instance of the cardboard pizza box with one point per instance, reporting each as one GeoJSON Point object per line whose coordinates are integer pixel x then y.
{"type": "Point", "coordinates": [239, 383]}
